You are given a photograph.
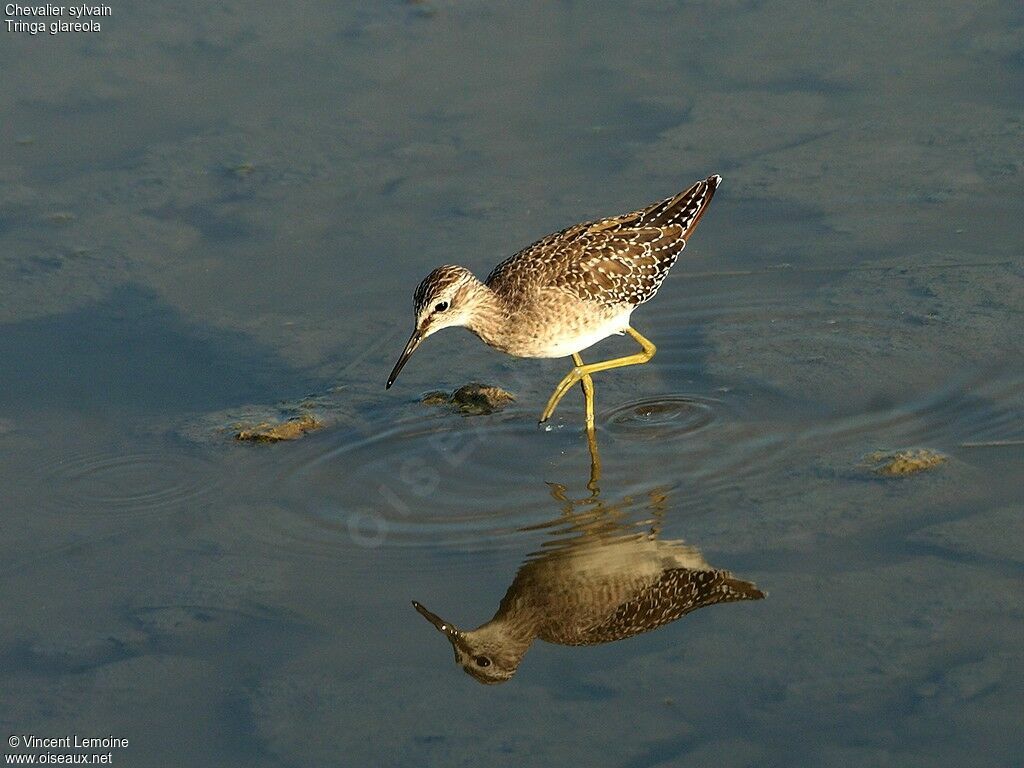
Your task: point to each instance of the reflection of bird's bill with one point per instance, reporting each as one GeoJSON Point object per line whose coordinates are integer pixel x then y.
{"type": "Point", "coordinates": [414, 341]}
{"type": "Point", "coordinates": [433, 618]}
{"type": "Point", "coordinates": [440, 624]}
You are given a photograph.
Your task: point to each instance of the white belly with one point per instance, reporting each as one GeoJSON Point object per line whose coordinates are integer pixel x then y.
{"type": "Point", "coordinates": [565, 344]}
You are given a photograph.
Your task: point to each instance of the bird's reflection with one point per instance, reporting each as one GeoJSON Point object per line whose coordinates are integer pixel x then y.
{"type": "Point", "coordinates": [603, 576]}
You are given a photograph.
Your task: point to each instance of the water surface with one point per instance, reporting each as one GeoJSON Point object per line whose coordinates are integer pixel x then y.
{"type": "Point", "coordinates": [206, 210]}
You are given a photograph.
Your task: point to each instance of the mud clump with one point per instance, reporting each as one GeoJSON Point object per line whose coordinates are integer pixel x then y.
{"type": "Point", "coordinates": [274, 432]}
{"type": "Point", "coordinates": [903, 463]}
{"type": "Point", "coordinates": [242, 170]}
{"type": "Point", "coordinates": [275, 422]}
{"type": "Point", "coordinates": [472, 399]}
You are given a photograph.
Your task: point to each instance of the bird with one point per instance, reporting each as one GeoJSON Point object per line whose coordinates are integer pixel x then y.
{"type": "Point", "coordinates": [603, 580]}
{"type": "Point", "coordinates": [567, 291]}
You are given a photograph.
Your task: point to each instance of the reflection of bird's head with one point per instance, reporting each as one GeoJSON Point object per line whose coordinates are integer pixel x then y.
{"type": "Point", "coordinates": [488, 654]}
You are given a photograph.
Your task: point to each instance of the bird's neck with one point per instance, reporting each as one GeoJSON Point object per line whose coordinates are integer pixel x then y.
{"type": "Point", "coordinates": [517, 618]}
{"type": "Point", "coordinates": [490, 317]}
{"type": "Point", "coordinates": [515, 633]}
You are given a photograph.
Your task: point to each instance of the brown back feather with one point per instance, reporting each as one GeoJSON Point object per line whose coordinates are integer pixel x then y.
{"type": "Point", "coordinates": [678, 592]}
{"type": "Point", "coordinates": [621, 260]}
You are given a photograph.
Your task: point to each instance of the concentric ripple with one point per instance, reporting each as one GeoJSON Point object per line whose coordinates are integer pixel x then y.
{"type": "Point", "coordinates": [658, 418]}
{"type": "Point", "coordinates": [438, 479]}
{"type": "Point", "coordinates": [128, 483]}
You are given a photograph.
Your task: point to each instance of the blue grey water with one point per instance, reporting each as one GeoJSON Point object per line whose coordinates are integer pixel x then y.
{"type": "Point", "coordinates": [209, 209]}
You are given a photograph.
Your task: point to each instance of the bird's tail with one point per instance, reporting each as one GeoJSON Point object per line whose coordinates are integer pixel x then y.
{"type": "Point", "coordinates": [733, 589]}
{"type": "Point", "coordinates": [685, 209]}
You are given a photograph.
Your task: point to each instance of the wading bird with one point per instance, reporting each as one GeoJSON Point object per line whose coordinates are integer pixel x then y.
{"type": "Point", "coordinates": [567, 291]}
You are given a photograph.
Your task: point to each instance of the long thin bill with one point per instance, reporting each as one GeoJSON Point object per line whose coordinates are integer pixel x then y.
{"type": "Point", "coordinates": [454, 635]}
{"type": "Point", "coordinates": [414, 341]}
{"type": "Point", "coordinates": [433, 618]}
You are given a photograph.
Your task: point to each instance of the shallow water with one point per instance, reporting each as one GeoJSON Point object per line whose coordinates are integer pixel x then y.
{"type": "Point", "coordinates": [207, 210]}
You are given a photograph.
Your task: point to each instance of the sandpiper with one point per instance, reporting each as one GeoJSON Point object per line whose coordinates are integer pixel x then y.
{"type": "Point", "coordinates": [567, 291]}
{"type": "Point", "coordinates": [602, 580]}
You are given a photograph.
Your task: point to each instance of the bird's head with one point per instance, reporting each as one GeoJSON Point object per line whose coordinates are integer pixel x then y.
{"type": "Point", "coordinates": [488, 654]}
{"type": "Point", "coordinates": [446, 297]}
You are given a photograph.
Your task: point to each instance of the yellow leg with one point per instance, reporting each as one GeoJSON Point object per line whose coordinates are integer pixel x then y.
{"type": "Point", "coordinates": [577, 373]}
{"type": "Point", "coordinates": [595, 462]}
{"type": "Point", "coordinates": [588, 396]}
{"type": "Point", "coordinates": [588, 392]}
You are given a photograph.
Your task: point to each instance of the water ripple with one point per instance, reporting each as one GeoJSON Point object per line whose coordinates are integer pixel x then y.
{"type": "Point", "coordinates": [442, 481]}
{"type": "Point", "coordinates": [128, 484]}
{"type": "Point", "coordinates": [432, 480]}
{"type": "Point", "coordinates": [659, 418]}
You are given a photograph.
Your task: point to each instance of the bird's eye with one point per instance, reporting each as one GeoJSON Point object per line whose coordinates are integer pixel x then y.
{"type": "Point", "coordinates": [441, 306]}
{"type": "Point", "coordinates": [482, 661]}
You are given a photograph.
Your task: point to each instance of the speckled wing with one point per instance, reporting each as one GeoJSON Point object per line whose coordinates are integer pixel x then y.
{"type": "Point", "coordinates": [624, 266]}
{"type": "Point", "coordinates": [678, 592]}
{"type": "Point", "coordinates": [618, 261]}
{"type": "Point", "coordinates": [685, 209]}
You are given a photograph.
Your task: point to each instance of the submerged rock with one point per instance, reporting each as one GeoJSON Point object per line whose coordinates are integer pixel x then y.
{"type": "Point", "coordinates": [243, 169]}
{"type": "Point", "coordinates": [292, 429]}
{"type": "Point", "coordinates": [473, 399]}
{"type": "Point", "coordinates": [436, 397]}
{"type": "Point", "coordinates": [905, 462]}
{"type": "Point", "coordinates": [273, 422]}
